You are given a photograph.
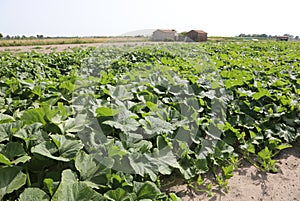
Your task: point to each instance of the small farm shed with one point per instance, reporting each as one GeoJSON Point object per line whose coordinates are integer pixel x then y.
{"type": "Point", "coordinates": [164, 35]}
{"type": "Point", "coordinates": [196, 36]}
{"type": "Point", "coordinates": [282, 38]}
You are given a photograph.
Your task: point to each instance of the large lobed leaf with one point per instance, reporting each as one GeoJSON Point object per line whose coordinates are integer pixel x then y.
{"type": "Point", "coordinates": [12, 178]}
{"type": "Point", "coordinates": [71, 189]}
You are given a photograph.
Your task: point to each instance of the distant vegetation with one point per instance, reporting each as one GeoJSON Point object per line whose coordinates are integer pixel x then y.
{"type": "Point", "coordinates": [291, 37]}
{"type": "Point", "coordinates": [41, 40]}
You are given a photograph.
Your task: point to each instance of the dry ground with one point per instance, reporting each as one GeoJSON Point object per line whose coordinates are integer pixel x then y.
{"type": "Point", "coordinates": [248, 183]}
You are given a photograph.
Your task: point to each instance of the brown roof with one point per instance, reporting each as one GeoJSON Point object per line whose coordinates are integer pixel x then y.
{"type": "Point", "coordinates": [198, 31]}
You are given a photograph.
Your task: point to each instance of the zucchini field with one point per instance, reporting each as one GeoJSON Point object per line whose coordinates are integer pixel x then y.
{"type": "Point", "coordinates": [114, 123]}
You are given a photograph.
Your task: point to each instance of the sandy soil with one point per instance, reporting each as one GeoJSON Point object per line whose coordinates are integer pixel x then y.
{"type": "Point", "coordinates": [248, 183]}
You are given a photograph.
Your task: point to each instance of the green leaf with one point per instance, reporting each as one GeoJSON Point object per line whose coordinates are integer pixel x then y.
{"type": "Point", "coordinates": [148, 191]}
{"type": "Point", "coordinates": [66, 148]}
{"type": "Point", "coordinates": [92, 170]}
{"type": "Point", "coordinates": [261, 93]}
{"type": "Point", "coordinates": [186, 169]}
{"type": "Point", "coordinates": [129, 125]}
{"type": "Point", "coordinates": [4, 160]}
{"type": "Point", "coordinates": [67, 85]}
{"type": "Point", "coordinates": [106, 112]}
{"type": "Point", "coordinates": [152, 106]}
{"type": "Point", "coordinates": [233, 82]}
{"type": "Point", "coordinates": [71, 189]}
{"type": "Point", "coordinates": [199, 180]}
{"type": "Point", "coordinates": [155, 125]}
{"type": "Point", "coordinates": [142, 164]}
{"type": "Point", "coordinates": [3, 132]}
{"type": "Point", "coordinates": [124, 120]}
{"type": "Point", "coordinates": [165, 159]}
{"type": "Point", "coordinates": [120, 93]}
{"type": "Point", "coordinates": [8, 129]}
{"type": "Point", "coordinates": [4, 118]}
{"type": "Point", "coordinates": [48, 183]}
{"type": "Point", "coordinates": [265, 153]}
{"type": "Point", "coordinates": [33, 194]}
{"type": "Point", "coordinates": [14, 149]}
{"type": "Point", "coordinates": [201, 165]}
{"type": "Point", "coordinates": [22, 159]}
{"type": "Point", "coordinates": [30, 132]}
{"type": "Point", "coordinates": [251, 148]}
{"type": "Point", "coordinates": [12, 178]}
{"type": "Point", "coordinates": [283, 146]}
{"type": "Point", "coordinates": [47, 149]}
{"type": "Point", "coordinates": [227, 171]}
{"type": "Point", "coordinates": [34, 115]}
{"type": "Point", "coordinates": [174, 197]}
{"type": "Point", "coordinates": [116, 151]}
{"type": "Point", "coordinates": [118, 194]}
{"type": "Point", "coordinates": [72, 125]}
{"type": "Point", "coordinates": [209, 187]}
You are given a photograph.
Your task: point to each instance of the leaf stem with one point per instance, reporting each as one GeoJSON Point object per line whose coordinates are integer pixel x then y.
{"type": "Point", "coordinates": [27, 177]}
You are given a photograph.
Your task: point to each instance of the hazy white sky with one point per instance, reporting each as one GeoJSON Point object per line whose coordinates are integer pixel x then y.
{"type": "Point", "coordinates": [114, 17]}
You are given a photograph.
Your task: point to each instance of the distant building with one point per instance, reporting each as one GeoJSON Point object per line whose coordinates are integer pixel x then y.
{"type": "Point", "coordinates": [282, 38]}
{"type": "Point", "coordinates": [196, 36]}
{"type": "Point", "coordinates": [164, 35]}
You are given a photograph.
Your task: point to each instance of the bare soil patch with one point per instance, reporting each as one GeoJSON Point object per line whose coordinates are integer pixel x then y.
{"type": "Point", "coordinates": [248, 183]}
